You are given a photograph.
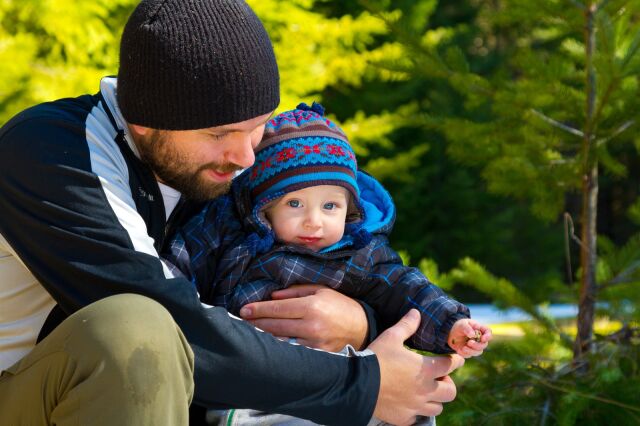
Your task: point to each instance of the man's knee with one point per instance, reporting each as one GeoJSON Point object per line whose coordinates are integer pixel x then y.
{"type": "Point", "coordinates": [123, 351]}
{"type": "Point", "coordinates": [133, 335]}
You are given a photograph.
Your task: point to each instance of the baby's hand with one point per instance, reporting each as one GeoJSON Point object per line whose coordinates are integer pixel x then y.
{"type": "Point", "coordinates": [469, 338]}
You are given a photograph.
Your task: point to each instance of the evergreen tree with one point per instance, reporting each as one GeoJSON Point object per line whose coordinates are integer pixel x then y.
{"type": "Point", "coordinates": [547, 116]}
{"type": "Point", "coordinates": [552, 126]}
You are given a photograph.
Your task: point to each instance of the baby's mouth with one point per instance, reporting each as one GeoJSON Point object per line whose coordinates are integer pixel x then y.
{"type": "Point", "coordinates": [309, 239]}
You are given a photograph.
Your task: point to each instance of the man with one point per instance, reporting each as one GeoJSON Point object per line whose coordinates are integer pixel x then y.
{"type": "Point", "coordinates": [90, 188]}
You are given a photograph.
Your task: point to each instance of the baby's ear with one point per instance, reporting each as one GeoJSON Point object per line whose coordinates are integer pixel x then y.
{"type": "Point", "coordinates": [353, 213]}
{"type": "Point", "coordinates": [267, 208]}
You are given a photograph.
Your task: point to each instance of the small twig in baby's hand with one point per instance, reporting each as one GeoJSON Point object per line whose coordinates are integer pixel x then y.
{"type": "Point", "coordinates": [477, 337]}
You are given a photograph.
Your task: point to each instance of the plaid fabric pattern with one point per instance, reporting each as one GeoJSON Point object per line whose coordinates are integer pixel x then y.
{"type": "Point", "coordinates": [213, 252]}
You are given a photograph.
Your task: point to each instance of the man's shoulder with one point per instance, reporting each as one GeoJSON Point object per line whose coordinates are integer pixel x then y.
{"type": "Point", "coordinates": [67, 110]}
{"type": "Point", "coordinates": [49, 132]}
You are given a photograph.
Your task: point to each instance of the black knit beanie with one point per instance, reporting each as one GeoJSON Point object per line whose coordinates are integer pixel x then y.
{"type": "Point", "coordinates": [192, 64]}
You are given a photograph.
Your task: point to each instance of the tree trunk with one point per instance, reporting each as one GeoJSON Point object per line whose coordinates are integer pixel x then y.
{"type": "Point", "coordinates": [588, 258]}
{"type": "Point", "coordinates": [588, 254]}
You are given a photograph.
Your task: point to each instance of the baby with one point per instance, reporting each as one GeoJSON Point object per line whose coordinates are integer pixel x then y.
{"type": "Point", "coordinates": [304, 213]}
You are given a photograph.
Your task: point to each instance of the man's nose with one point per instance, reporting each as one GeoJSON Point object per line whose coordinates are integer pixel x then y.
{"type": "Point", "coordinates": [240, 151]}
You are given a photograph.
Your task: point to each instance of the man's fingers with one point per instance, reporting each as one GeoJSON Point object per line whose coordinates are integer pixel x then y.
{"type": "Point", "coordinates": [445, 390]}
{"type": "Point", "coordinates": [319, 344]}
{"type": "Point", "coordinates": [440, 366]}
{"type": "Point", "coordinates": [279, 327]}
{"type": "Point", "coordinates": [407, 325]}
{"type": "Point", "coordinates": [288, 308]}
{"type": "Point", "coordinates": [300, 290]}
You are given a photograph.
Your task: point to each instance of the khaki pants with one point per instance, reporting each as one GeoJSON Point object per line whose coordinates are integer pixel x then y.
{"type": "Point", "coordinates": [119, 361]}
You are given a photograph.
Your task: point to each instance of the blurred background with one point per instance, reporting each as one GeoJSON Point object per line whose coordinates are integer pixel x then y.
{"type": "Point", "coordinates": [507, 132]}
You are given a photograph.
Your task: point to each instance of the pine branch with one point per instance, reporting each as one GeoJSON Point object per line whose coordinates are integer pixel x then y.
{"type": "Point", "coordinates": [489, 419]}
{"type": "Point", "coordinates": [405, 36]}
{"type": "Point", "coordinates": [625, 334]}
{"type": "Point", "coordinates": [583, 395]}
{"type": "Point", "coordinates": [635, 45]}
{"type": "Point", "coordinates": [624, 126]}
{"type": "Point", "coordinates": [623, 277]}
{"type": "Point", "coordinates": [555, 123]}
{"type": "Point", "coordinates": [605, 99]}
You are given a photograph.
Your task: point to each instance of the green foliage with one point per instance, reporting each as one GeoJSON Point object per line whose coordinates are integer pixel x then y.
{"type": "Point", "coordinates": [515, 128]}
{"type": "Point", "coordinates": [430, 269]}
{"type": "Point", "coordinates": [531, 381]}
{"type": "Point", "coordinates": [529, 142]}
{"type": "Point", "coordinates": [619, 273]}
{"type": "Point", "coordinates": [401, 119]}
{"type": "Point", "coordinates": [53, 49]}
{"type": "Point", "coordinates": [503, 293]}
{"type": "Point", "coordinates": [315, 51]}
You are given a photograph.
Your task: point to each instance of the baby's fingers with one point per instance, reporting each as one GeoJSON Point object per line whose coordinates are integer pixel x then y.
{"type": "Point", "coordinates": [476, 346]}
{"type": "Point", "coordinates": [487, 335]}
{"type": "Point", "coordinates": [467, 352]}
{"type": "Point", "coordinates": [468, 330]}
{"type": "Point", "coordinates": [457, 343]}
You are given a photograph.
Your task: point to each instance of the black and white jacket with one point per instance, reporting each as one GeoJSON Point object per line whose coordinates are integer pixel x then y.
{"type": "Point", "coordinates": [82, 218]}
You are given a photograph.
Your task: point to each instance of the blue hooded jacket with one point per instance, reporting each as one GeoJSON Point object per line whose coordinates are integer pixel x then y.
{"type": "Point", "coordinates": [228, 251]}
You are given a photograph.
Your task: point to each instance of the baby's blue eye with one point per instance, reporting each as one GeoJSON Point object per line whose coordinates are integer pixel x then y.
{"type": "Point", "coordinates": [293, 203]}
{"type": "Point", "coordinates": [330, 206]}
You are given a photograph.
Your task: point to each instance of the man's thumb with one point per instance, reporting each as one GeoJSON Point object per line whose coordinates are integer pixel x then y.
{"type": "Point", "coordinates": [408, 324]}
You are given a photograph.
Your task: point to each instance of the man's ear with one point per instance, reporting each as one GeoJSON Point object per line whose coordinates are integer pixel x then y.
{"type": "Point", "coordinates": [139, 130]}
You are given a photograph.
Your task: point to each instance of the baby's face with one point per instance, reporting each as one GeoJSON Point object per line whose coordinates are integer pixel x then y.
{"type": "Point", "coordinates": [313, 217]}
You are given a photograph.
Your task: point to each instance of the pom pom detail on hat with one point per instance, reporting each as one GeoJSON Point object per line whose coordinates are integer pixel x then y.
{"type": "Point", "coordinates": [315, 107]}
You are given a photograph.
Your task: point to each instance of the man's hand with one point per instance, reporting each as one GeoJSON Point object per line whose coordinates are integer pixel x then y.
{"type": "Point", "coordinates": [411, 384]}
{"type": "Point", "coordinates": [315, 315]}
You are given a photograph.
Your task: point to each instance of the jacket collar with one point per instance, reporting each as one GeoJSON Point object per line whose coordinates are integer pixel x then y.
{"type": "Point", "coordinates": [108, 91]}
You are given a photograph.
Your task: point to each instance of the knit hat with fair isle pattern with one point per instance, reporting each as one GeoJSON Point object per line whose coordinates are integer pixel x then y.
{"type": "Point", "coordinates": [301, 148]}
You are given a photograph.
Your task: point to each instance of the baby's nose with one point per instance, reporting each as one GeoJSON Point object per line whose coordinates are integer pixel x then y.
{"type": "Point", "coordinates": [313, 220]}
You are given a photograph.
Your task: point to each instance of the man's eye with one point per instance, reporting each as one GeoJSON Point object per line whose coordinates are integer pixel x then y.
{"type": "Point", "coordinates": [218, 136]}
{"type": "Point", "coordinates": [293, 203]}
{"type": "Point", "coordinates": [330, 206]}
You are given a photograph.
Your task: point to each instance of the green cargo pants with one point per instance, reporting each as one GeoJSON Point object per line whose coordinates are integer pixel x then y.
{"type": "Point", "coordinates": [119, 361]}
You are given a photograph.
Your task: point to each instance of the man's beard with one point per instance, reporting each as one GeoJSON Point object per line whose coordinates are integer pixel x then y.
{"type": "Point", "coordinates": [175, 169]}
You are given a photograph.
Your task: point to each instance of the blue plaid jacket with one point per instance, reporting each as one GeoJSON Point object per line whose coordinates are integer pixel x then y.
{"type": "Point", "coordinates": [227, 252]}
